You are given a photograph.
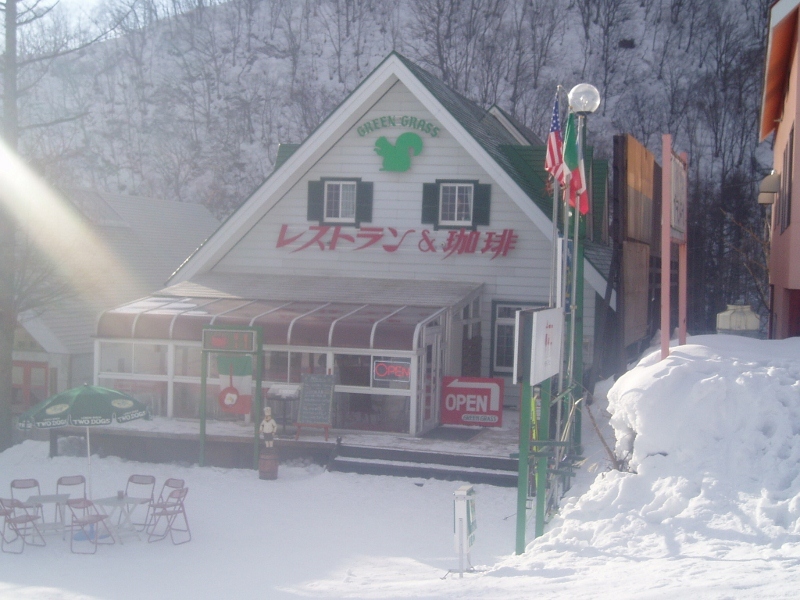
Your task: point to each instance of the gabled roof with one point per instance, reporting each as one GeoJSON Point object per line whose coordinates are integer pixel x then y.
{"type": "Point", "coordinates": [518, 169]}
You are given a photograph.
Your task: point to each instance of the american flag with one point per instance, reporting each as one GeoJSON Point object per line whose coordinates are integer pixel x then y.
{"type": "Point", "coordinates": [554, 162]}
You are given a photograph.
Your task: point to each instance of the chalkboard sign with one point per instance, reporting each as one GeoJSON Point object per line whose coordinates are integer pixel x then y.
{"type": "Point", "coordinates": [316, 399]}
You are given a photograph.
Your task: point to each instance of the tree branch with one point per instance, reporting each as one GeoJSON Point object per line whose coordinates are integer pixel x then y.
{"type": "Point", "coordinates": [54, 122]}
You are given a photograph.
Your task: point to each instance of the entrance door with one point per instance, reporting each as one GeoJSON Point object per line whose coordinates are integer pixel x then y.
{"type": "Point", "coordinates": [793, 328]}
{"type": "Point", "coordinates": [432, 378]}
{"type": "Point", "coordinates": [30, 384]}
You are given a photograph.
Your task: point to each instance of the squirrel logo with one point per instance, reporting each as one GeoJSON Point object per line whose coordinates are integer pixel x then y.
{"type": "Point", "coordinates": [397, 157]}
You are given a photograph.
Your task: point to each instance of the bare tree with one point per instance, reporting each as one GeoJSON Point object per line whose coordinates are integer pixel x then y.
{"type": "Point", "coordinates": [35, 36]}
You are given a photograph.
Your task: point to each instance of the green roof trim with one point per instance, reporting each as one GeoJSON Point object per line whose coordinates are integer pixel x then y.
{"type": "Point", "coordinates": [284, 152]}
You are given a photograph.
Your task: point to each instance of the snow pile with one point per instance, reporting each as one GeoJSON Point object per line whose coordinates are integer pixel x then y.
{"type": "Point", "coordinates": [711, 439]}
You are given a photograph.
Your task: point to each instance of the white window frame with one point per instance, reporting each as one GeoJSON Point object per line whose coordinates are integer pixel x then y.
{"type": "Point", "coordinates": [463, 222]}
{"type": "Point", "coordinates": [503, 321]}
{"type": "Point", "coordinates": [339, 217]}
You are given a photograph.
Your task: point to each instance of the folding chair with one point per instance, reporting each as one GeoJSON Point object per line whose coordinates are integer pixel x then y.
{"type": "Point", "coordinates": [19, 519]}
{"type": "Point", "coordinates": [167, 512]}
{"type": "Point", "coordinates": [140, 487]}
{"type": "Point", "coordinates": [27, 488]}
{"type": "Point", "coordinates": [69, 484]}
{"type": "Point", "coordinates": [172, 483]}
{"type": "Point", "coordinates": [89, 521]}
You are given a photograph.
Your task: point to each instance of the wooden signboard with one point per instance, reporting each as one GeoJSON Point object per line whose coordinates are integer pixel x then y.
{"type": "Point", "coordinates": [636, 271]}
{"type": "Point", "coordinates": [316, 401]}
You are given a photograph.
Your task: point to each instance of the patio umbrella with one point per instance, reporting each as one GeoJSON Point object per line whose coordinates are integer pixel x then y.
{"type": "Point", "coordinates": [85, 406]}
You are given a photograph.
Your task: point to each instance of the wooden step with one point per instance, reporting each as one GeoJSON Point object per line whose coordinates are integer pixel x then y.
{"type": "Point", "coordinates": [423, 470]}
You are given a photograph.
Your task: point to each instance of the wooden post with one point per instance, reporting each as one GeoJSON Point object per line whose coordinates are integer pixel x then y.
{"type": "Point", "coordinates": [683, 264]}
{"type": "Point", "coordinates": [682, 289]}
{"type": "Point", "coordinates": [666, 214]}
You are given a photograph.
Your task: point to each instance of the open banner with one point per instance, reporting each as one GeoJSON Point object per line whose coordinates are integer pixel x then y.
{"type": "Point", "coordinates": [472, 401]}
{"type": "Point", "coordinates": [236, 383]}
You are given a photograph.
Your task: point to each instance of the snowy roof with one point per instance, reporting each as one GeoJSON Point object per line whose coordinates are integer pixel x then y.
{"type": "Point", "coordinates": [290, 310]}
{"type": "Point", "coordinates": [324, 289]}
{"type": "Point", "coordinates": [151, 237]}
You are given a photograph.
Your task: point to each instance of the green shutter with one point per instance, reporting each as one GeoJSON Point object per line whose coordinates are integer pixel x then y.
{"type": "Point", "coordinates": [430, 204]}
{"type": "Point", "coordinates": [363, 202]}
{"type": "Point", "coordinates": [480, 204]}
{"type": "Point", "coordinates": [316, 200]}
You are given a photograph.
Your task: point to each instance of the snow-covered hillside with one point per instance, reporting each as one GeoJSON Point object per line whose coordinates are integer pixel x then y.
{"type": "Point", "coordinates": [189, 100]}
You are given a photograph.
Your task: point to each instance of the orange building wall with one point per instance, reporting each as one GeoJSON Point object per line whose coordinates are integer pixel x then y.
{"type": "Point", "coordinates": [784, 264]}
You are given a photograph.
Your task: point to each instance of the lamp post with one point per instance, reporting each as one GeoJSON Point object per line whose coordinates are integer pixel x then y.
{"type": "Point", "coordinates": [584, 99]}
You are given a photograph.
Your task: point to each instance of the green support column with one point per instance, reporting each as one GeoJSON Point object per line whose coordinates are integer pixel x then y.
{"type": "Point", "coordinates": [541, 461]}
{"type": "Point", "coordinates": [522, 477]}
{"type": "Point", "coordinates": [203, 381]}
{"type": "Point", "coordinates": [257, 408]}
{"type": "Point", "coordinates": [578, 364]}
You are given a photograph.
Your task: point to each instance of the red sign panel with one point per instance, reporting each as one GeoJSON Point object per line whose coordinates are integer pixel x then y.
{"type": "Point", "coordinates": [229, 340]}
{"type": "Point", "coordinates": [472, 401]}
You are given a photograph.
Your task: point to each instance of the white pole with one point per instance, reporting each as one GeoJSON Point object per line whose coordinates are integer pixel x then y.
{"type": "Point", "coordinates": [460, 547]}
{"type": "Point", "coordinates": [89, 456]}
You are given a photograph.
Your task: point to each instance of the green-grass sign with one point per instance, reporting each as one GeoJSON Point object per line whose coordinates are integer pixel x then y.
{"type": "Point", "coordinates": [404, 121]}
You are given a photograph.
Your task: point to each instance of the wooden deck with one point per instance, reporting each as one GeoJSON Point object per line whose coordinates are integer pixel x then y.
{"type": "Point", "coordinates": [479, 457]}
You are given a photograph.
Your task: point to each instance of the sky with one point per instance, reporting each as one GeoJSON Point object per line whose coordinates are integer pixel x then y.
{"type": "Point", "coordinates": [708, 507]}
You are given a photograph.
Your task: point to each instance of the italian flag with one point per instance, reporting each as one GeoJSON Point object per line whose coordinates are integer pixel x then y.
{"type": "Point", "coordinates": [235, 383]}
{"type": "Point", "coordinates": [573, 158]}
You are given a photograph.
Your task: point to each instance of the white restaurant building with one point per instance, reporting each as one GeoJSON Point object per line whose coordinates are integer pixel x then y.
{"type": "Point", "coordinates": [407, 229]}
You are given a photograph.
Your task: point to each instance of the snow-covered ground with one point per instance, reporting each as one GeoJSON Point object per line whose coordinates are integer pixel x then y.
{"type": "Point", "coordinates": [710, 508]}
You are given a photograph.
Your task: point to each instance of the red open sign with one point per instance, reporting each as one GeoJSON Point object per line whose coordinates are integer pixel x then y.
{"type": "Point", "coordinates": [472, 401]}
{"type": "Point", "coordinates": [391, 370]}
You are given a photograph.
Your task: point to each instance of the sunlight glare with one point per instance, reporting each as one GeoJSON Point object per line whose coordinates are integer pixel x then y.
{"type": "Point", "coordinates": [59, 232]}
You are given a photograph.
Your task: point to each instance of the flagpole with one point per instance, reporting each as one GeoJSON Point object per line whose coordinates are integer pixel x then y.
{"type": "Point", "coordinates": [576, 241]}
{"type": "Point", "coordinates": [584, 99]}
{"type": "Point", "coordinates": [564, 275]}
{"type": "Point", "coordinates": [556, 191]}
{"type": "Point", "coordinates": [554, 266]}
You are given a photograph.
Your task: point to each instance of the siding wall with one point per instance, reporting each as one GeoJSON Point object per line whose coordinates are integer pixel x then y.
{"type": "Point", "coordinates": [522, 276]}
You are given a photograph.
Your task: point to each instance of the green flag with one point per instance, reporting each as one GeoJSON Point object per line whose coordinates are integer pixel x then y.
{"type": "Point", "coordinates": [573, 158]}
{"type": "Point", "coordinates": [571, 143]}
